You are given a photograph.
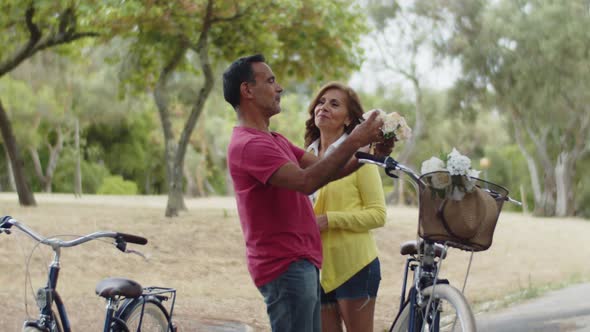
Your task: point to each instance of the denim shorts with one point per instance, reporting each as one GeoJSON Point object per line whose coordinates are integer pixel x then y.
{"type": "Point", "coordinates": [293, 299]}
{"type": "Point", "coordinates": [364, 284]}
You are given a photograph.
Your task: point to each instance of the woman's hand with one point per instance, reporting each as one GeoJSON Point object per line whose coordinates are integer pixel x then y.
{"type": "Point", "coordinates": [322, 221]}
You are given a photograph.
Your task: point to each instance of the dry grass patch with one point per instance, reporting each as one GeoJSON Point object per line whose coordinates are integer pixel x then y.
{"type": "Point", "coordinates": [201, 254]}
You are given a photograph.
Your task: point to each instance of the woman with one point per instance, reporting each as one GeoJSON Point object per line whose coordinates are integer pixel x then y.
{"type": "Point", "coordinates": [346, 210]}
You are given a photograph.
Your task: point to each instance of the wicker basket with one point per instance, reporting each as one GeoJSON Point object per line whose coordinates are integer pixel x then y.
{"type": "Point", "coordinates": [468, 224]}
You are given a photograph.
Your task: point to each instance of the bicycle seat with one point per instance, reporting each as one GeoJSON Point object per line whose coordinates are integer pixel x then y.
{"type": "Point", "coordinates": [411, 248]}
{"type": "Point", "coordinates": [112, 287]}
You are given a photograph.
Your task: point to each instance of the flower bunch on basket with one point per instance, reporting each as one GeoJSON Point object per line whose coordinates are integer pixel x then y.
{"type": "Point", "coordinates": [394, 125]}
{"type": "Point", "coordinates": [451, 180]}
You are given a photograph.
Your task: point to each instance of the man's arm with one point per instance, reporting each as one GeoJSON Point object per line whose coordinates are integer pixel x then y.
{"type": "Point", "coordinates": [381, 149]}
{"type": "Point", "coordinates": [308, 180]}
{"type": "Point", "coordinates": [313, 174]}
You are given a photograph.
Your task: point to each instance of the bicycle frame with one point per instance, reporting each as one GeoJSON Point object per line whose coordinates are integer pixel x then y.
{"type": "Point", "coordinates": [49, 295]}
{"type": "Point", "coordinates": [425, 273]}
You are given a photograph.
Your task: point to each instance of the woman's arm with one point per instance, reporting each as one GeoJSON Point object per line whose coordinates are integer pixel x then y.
{"type": "Point", "coordinates": [373, 212]}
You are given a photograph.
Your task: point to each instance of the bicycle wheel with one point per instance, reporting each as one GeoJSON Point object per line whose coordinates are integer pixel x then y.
{"type": "Point", "coordinates": [449, 312]}
{"type": "Point", "coordinates": [155, 317]}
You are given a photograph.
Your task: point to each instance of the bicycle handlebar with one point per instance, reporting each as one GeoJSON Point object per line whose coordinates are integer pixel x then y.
{"type": "Point", "coordinates": [7, 222]}
{"type": "Point", "coordinates": [389, 164]}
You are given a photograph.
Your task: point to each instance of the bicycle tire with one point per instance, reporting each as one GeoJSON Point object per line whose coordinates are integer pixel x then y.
{"type": "Point", "coordinates": [155, 316]}
{"type": "Point", "coordinates": [465, 321]}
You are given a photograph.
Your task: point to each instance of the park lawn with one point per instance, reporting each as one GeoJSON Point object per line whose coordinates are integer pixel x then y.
{"type": "Point", "coordinates": [201, 254]}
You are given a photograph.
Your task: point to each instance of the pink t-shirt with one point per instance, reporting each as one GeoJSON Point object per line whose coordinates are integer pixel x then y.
{"type": "Point", "coordinates": [279, 224]}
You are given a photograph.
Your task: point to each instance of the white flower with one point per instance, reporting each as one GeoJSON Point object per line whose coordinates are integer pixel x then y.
{"type": "Point", "coordinates": [390, 123]}
{"type": "Point", "coordinates": [432, 165]}
{"type": "Point", "coordinates": [393, 124]}
{"type": "Point", "coordinates": [458, 164]}
{"type": "Point", "coordinates": [403, 131]}
{"type": "Point", "coordinates": [457, 176]}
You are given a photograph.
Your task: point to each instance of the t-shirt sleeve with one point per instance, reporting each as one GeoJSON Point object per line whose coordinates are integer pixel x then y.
{"type": "Point", "coordinates": [261, 159]}
{"type": "Point", "coordinates": [297, 151]}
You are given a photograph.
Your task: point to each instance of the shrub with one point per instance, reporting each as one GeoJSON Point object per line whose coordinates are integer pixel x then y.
{"type": "Point", "coordinates": [116, 185]}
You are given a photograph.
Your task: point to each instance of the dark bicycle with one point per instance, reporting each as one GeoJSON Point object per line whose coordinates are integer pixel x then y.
{"type": "Point", "coordinates": [432, 303]}
{"type": "Point", "coordinates": [130, 307]}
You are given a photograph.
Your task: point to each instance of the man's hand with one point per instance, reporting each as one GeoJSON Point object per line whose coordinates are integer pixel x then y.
{"type": "Point", "coordinates": [368, 131]}
{"type": "Point", "coordinates": [384, 148]}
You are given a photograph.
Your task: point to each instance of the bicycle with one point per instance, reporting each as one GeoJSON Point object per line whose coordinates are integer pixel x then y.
{"type": "Point", "coordinates": [432, 303]}
{"type": "Point", "coordinates": [130, 307]}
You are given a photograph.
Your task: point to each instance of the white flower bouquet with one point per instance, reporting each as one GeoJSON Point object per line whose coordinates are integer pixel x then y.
{"type": "Point", "coordinates": [452, 180]}
{"type": "Point", "coordinates": [394, 125]}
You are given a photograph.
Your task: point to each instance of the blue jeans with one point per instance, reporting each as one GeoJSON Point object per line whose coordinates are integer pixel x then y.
{"type": "Point", "coordinates": [293, 299]}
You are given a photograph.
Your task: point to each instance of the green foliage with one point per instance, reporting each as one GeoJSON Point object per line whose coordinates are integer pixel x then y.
{"type": "Point", "coordinates": [128, 148]}
{"type": "Point", "coordinates": [93, 174]}
{"type": "Point", "coordinates": [529, 60]}
{"type": "Point", "coordinates": [116, 185]}
{"type": "Point", "coordinates": [301, 39]}
{"type": "Point", "coordinates": [60, 23]}
{"type": "Point", "coordinates": [508, 169]}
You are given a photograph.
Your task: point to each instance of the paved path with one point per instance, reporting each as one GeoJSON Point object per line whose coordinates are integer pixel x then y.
{"type": "Point", "coordinates": [565, 310]}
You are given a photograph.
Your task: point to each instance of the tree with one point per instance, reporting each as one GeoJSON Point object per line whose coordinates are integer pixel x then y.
{"type": "Point", "coordinates": [28, 28]}
{"type": "Point", "coordinates": [529, 60]}
{"type": "Point", "coordinates": [39, 124]}
{"type": "Point", "coordinates": [401, 38]}
{"type": "Point", "coordinates": [299, 38]}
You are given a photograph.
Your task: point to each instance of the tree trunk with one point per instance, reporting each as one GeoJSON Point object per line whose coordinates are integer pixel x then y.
{"type": "Point", "coordinates": [39, 169]}
{"type": "Point", "coordinates": [9, 171]}
{"type": "Point", "coordinates": [201, 171]}
{"type": "Point", "coordinates": [229, 185]}
{"type": "Point", "coordinates": [539, 195]}
{"type": "Point", "coordinates": [565, 198]}
{"type": "Point", "coordinates": [175, 200]}
{"type": "Point", "coordinates": [25, 195]}
{"type": "Point", "coordinates": [176, 162]}
{"type": "Point", "coordinates": [175, 183]}
{"type": "Point", "coordinates": [78, 170]}
{"type": "Point", "coordinates": [46, 177]}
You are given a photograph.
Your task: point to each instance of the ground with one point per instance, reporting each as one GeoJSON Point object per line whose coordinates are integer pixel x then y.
{"type": "Point", "coordinates": [201, 254]}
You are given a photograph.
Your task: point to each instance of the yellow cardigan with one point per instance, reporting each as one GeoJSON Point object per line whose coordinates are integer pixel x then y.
{"type": "Point", "coordinates": [354, 205]}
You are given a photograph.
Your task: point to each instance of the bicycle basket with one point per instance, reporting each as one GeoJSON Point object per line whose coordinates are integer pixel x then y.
{"type": "Point", "coordinates": [467, 224]}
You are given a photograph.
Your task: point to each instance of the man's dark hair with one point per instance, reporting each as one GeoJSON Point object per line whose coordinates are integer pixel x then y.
{"type": "Point", "coordinates": [239, 71]}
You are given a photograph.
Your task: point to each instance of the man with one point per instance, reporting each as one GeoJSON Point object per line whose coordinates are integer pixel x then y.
{"type": "Point", "coordinates": [272, 179]}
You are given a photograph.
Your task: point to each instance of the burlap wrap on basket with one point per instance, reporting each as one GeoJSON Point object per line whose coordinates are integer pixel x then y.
{"type": "Point", "coordinates": [467, 224]}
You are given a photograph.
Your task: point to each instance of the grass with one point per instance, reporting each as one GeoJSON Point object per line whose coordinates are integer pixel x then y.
{"type": "Point", "coordinates": [201, 254]}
